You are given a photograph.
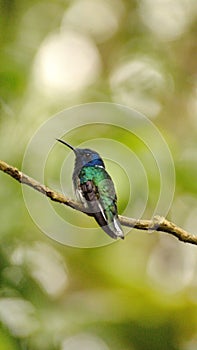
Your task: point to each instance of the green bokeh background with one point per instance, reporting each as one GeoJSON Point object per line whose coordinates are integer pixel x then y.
{"type": "Point", "coordinates": [139, 294]}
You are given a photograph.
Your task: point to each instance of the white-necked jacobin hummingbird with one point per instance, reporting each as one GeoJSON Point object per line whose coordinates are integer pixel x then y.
{"type": "Point", "coordinates": [95, 189]}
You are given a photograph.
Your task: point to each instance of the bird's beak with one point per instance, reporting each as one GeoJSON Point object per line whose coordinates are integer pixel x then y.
{"type": "Point", "coordinates": [67, 144]}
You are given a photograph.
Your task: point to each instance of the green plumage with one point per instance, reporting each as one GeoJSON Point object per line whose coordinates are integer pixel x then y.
{"type": "Point", "coordinates": [95, 189]}
{"type": "Point", "coordinates": [105, 190]}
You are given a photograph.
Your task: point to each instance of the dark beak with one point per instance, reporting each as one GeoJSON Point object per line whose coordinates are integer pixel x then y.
{"type": "Point", "coordinates": [67, 144]}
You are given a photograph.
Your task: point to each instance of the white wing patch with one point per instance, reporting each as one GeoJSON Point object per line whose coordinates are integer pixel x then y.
{"type": "Point", "coordinates": [102, 211]}
{"type": "Point", "coordinates": [81, 198]}
{"type": "Point", "coordinates": [117, 227]}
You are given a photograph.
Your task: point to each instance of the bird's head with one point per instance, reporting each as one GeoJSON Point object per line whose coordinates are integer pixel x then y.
{"type": "Point", "coordinates": [85, 156]}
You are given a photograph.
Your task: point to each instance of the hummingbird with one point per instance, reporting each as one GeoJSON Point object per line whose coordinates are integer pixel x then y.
{"type": "Point", "coordinates": [94, 188]}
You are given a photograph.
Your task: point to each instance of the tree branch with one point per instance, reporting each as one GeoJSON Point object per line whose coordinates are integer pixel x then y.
{"type": "Point", "coordinates": [157, 224]}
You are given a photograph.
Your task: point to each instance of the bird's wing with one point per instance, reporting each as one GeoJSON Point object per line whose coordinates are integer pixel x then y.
{"type": "Point", "coordinates": [93, 198]}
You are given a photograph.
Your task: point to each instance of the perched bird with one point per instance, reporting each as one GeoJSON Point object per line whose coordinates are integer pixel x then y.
{"type": "Point", "coordinates": [95, 189]}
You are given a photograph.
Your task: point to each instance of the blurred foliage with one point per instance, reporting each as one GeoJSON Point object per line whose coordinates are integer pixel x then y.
{"type": "Point", "coordinates": [138, 294]}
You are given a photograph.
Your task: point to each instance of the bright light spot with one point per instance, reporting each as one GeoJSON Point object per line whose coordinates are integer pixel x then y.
{"type": "Point", "coordinates": [191, 344]}
{"type": "Point", "coordinates": [171, 265]}
{"type": "Point", "coordinates": [99, 18]}
{"type": "Point", "coordinates": [83, 342]}
{"type": "Point", "coordinates": [137, 83]}
{"type": "Point", "coordinates": [18, 315]}
{"type": "Point", "coordinates": [165, 18]}
{"type": "Point", "coordinates": [45, 265]}
{"type": "Point", "coordinates": [66, 63]}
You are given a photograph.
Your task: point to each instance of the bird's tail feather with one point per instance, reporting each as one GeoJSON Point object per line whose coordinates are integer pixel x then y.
{"type": "Point", "coordinates": [112, 228]}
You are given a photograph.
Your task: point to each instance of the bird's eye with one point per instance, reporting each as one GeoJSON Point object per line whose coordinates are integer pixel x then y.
{"type": "Point", "coordinates": [87, 155]}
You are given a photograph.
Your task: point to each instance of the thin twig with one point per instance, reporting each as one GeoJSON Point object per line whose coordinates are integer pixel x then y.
{"type": "Point", "coordinates": [157, 224]}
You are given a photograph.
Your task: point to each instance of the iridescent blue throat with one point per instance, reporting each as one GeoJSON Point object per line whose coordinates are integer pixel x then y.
{"type": "Point", "coordinates": [95, 162]}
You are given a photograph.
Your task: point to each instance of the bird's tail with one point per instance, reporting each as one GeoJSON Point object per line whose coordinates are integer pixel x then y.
{"type": "Point", "coordinates": [112, 228]}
